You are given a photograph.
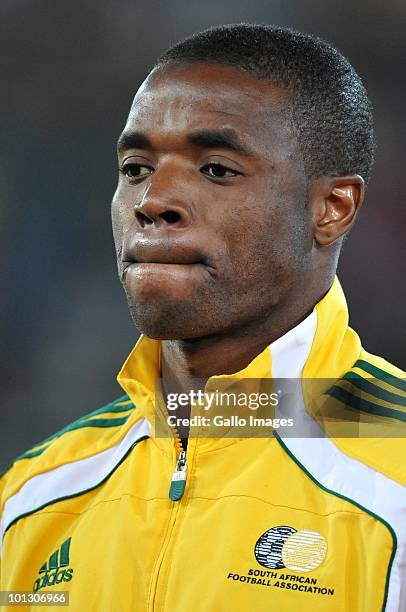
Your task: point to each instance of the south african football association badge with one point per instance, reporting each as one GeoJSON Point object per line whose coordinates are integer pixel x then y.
{"type": "Point", "coordinates": [283, 546]}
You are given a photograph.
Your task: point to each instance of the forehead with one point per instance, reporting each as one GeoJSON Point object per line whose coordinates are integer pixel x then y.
{"type": "Point", "coordinates": [180, 98]}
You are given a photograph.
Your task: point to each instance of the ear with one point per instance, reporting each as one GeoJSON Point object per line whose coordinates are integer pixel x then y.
{"type": "Point", "coordinates": [334, 203]}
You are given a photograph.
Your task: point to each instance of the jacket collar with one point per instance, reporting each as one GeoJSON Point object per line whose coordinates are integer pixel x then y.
{"type": "Point", "coordinates": [321, 346]}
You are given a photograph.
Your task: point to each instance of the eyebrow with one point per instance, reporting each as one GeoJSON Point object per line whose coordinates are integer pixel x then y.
{"type": "Point", "coordinates": [205, 139]}
{"type": "Point", "coordinates": [133, 140]}
{"type": "Point", "coordinates": [219, 139]}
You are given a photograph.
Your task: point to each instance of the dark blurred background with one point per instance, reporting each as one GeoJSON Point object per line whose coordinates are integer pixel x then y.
{"type": "Point", "coordinates": [68, 72]}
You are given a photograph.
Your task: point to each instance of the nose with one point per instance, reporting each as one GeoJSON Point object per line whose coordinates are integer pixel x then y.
{"type": "Point", "coordinates": [163, 205]}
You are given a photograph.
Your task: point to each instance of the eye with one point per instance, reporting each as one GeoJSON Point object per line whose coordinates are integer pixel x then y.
{"type": "Point", "coordinates": [216, 170]}
{"type": "Point", "coordinates": [134, 171]}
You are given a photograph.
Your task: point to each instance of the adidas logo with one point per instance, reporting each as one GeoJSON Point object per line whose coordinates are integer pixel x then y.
{"type": "Point", "coordinates": [55, 570]}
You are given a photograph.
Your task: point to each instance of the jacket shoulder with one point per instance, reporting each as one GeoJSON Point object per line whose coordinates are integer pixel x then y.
{"type": "Point", "coordinates": [374, 390]}
{"type": "Point", "coordinates": [378, 367]}
{"type": "Point", "coordinates": [88, 435]}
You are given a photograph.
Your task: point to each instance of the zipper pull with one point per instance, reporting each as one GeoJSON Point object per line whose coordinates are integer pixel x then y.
{"type": "Point", "coordinates": [179, 478]}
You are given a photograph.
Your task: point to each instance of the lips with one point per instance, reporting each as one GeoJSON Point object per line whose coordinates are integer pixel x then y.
{"type": "Point", "coordinates": [168, 252]}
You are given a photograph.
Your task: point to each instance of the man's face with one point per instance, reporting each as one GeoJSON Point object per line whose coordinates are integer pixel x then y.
{"type": "Point", "coordinates": [209, 216]}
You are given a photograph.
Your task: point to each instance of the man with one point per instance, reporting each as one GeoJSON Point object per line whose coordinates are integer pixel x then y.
{"type": "Point", "coordinates": [241, 169]}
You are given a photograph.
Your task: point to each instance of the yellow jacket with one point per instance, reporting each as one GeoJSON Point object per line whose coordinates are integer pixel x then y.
{"type": "Point", "coordinates": [276, 523]}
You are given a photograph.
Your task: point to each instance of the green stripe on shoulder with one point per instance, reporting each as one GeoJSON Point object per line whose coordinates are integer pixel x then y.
{"type": "Point", "coordinates": [120, 405]}
{"type": "Point", "coordinates": [391, 379]}
{"type": "Point", "coordinates": [365, 384]}
{"type": "Point", "coordinates": [347, 398]}
{"type": "Point", "coordinates": [80, 423]}
{"type": "Point", "coordinates": [32, 453]}
{"type": "Point", "coordinates": [87, 421]}
{"type": "Point", "coordinates": [26, 455]}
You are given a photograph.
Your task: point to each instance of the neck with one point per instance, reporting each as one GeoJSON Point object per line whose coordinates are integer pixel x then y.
{"type": "Point", "coordinates": [232, 351]}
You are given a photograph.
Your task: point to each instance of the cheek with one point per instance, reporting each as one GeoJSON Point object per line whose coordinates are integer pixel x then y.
{"type": "Point", "coordinates": [265, 241]}
{"type": "Point", "coordinates": [258, 234]}
{"type": "Point", "coordinates": [121, 217]}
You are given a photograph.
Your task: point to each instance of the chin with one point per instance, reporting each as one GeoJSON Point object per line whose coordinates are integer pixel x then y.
{"type": "Point", "coordinates": [165, 323]}
{"type": "Point", "coordinates": [174, 318]}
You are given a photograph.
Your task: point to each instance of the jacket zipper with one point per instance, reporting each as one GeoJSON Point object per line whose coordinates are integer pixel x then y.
{"type": "Point", "coordinates": [178, 482]}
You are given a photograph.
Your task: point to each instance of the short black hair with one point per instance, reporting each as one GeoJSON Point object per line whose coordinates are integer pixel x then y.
{"type": "Point", "coordinates": [330, 107]}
